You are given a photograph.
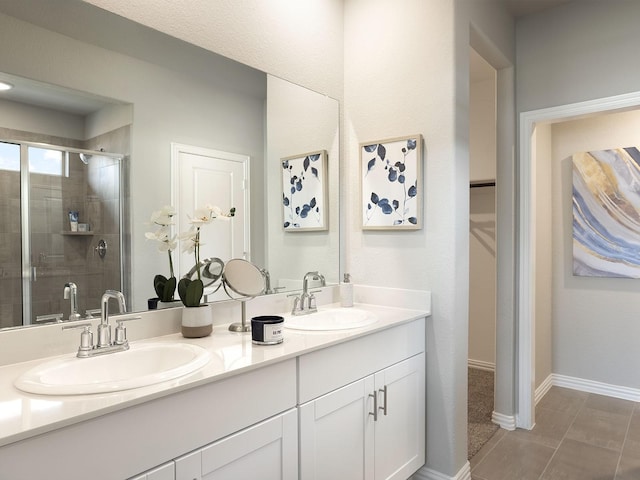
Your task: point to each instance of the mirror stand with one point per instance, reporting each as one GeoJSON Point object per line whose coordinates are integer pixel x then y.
{"type": "Point", "coordinates": [242, 326]}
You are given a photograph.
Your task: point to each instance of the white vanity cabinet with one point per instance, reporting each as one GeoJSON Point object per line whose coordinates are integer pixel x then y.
{"type": "Point", "coordinates": [268, 451]}
{"type": "Point", "coordinates": [163, 472]}
{"type": "Point", "coordinates": [306, 415]}
{"type": "Point", "coordinates": [370, 428]}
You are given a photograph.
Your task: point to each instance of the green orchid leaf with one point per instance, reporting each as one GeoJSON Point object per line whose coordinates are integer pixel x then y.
{"type": "Point", "coordinates": [169, 290]}
{"type": "Point", "coordinates": [164, 287]}
{"type": "Point", "coordinates": [159, 282]}
{"type": "Point", "coordinates": [190, 292]}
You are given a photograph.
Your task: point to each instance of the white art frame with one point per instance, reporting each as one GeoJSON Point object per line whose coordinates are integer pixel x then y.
{"type": "Point", "coordinates": [304, 192]}
{"type": "Point", "coordinates": [391, 183]}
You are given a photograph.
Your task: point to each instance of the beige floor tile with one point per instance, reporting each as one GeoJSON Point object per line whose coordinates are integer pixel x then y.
{"type": "Point", "coordinates": [629, 468]}
{"type": "Point", "coordinates": [564, 400]}
{"type": "Point", "coordinates": [512, 458]}
{"type": "Point", "coordinates": [486, 448]}
{"type": "Point", "coordinates": [580, 461]}
{"type": "Point", "coordinates": [551, 427]}
{"type": "Point", "coordinates": [600, 428]}
{"type": "Point", "coordinates": [610, 404]}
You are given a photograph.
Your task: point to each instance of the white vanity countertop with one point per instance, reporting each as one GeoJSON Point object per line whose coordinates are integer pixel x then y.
{"type": "Point", "coordinates": [24, 415]}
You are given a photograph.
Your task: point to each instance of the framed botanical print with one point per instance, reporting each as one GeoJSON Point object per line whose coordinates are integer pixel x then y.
{"type": "Point", "coordinates": [304, 192]}
{"type": "Point", "coordinates": [391, 184]}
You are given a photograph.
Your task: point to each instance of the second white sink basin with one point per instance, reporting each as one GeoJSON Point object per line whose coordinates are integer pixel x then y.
{"type": "Point", "coordinates": [331, 319]}
{"type": "Point", "coordinates": [143, 364]}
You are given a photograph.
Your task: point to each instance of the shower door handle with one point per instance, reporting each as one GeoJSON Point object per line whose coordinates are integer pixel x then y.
{"type": "Point", "coordinates": [34, 274]}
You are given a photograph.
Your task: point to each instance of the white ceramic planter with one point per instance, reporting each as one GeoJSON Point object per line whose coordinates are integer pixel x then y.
{"type": "Point", "coordinates": [197, 321]}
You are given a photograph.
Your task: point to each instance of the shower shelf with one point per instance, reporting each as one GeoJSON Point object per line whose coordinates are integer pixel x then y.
{"type": "Point", "coordinates": [78, 234]}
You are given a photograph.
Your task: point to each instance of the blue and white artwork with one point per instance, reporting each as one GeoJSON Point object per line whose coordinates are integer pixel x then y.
{"type": "Point", "coordinates": [391, 183]}
{"type": "Point", "coordinates": [304, 192]}
{"type": "Point", "coordinates": [606, 213]}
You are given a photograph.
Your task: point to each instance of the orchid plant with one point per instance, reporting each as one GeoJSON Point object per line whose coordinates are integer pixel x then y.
{"type": "Point", "coordinates": [191, 291]}
{"type": "Point", "coordinates": [163, 219]}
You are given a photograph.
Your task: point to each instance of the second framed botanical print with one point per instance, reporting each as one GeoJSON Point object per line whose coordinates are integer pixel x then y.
{"type": "Point", "coordinates": [391, 183]}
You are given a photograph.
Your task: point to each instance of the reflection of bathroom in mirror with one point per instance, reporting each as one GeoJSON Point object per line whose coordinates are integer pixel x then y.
{"type": "Point", "coordinates": [153, 91]}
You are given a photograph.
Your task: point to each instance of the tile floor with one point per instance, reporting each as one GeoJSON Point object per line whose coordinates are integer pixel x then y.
{"type": "Point", "coordinates": [578, 436]}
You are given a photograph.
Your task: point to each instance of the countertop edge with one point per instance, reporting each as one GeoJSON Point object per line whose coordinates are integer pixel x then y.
{"type": "Point", "coordinates": [171, 387]}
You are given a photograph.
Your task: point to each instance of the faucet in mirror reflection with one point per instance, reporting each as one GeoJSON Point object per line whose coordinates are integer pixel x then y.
{"type": "Point", "coordinates": [71, 294]}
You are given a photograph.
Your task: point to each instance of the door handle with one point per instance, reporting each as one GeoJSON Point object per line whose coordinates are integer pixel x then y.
{"type": "Point", "coordinates": [384, 405]}
{"type": "Point", "coordinates": [375, 406]}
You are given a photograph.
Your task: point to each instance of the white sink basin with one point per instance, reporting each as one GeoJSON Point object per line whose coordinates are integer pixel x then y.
{"type": "Point", "coordinates": [143, 364]}
{"type": "Point", "coordinates": [331, 319]}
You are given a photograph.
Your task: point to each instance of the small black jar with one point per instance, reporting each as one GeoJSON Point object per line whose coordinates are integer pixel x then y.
{"type": "Point", "coordinates": [267, 330]}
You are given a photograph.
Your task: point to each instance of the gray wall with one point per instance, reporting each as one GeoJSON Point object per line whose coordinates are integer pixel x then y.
{"type": "Point", "coordinates": [578, 52]}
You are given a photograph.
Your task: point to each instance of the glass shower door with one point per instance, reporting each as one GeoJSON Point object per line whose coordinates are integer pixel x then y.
{"type": "Point", "coordinates": [10, 236]}
{"type": "Point", "coordinates": [41, 249]}
{"type": "Point", "coordinates": [50, 176]}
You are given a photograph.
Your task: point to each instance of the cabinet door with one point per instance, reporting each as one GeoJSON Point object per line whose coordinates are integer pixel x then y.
{"type": "Point", "coordinates": [400, 432]}
{"type": "Point", "coordinates": [336, 434]}
{"type": "Point", "coordinates": [268, 451]}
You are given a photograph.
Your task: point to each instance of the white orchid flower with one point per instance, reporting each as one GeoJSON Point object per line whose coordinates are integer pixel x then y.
{"type": "Point", "coordinates": [200, 217]}
{"type": "Point", "coordinates": [190, 240]}
{"type": "Point", "coordinates": [163, 216]}
{"type": "Point", "coordinates": [217, 212]}
{"type": "Point", "coordinates": [165, 243]}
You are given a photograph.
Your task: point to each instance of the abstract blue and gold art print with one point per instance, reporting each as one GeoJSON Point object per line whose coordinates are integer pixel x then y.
{"type": "Point", "coordinates": [606, 213]}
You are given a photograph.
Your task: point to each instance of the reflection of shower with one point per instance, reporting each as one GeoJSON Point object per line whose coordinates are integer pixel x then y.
{"type": "Point", "coordinates": [56, 184]}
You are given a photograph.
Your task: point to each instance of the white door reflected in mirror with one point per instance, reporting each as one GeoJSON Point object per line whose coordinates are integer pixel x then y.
{"type": "Point", "coordinates": [204, 177]}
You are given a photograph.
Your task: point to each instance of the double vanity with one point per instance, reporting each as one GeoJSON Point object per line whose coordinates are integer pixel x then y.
{"type": "Point", "coordinates": [341, 397]}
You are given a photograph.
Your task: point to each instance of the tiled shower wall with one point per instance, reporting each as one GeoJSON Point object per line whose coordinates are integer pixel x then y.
{"type": "Point", "coordinates": [58, 255]}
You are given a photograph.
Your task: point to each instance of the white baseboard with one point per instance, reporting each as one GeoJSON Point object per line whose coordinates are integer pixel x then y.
{"type": "Point", "coordinates": [542, 390]}
{"type": "Point", "coordinates": [482, 365]}
{"type": "Point", "coordinates": [508, 422]}
{"type": "Point", "coordinates": [590, 386]}
{"type": "Point", "coordinates": [429, 474]}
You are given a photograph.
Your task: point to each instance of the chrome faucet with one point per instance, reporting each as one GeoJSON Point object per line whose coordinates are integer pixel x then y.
{"type": "Point", "coordinates": [71, 293]}
{"type": "Point", "coordinates": [306, 302]}
{"type": "Point", "coordinates": [104, 343]}
{"type": "Point", "coordinates": [104, 329]}
{"type": "Point", "coordinates": [267, 281]}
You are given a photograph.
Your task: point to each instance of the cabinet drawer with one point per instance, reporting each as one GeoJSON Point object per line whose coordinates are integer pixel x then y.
{"type": "Point", "coordinates": [268, 451]}
{"type": "Point", "coordinates": [325, 370]}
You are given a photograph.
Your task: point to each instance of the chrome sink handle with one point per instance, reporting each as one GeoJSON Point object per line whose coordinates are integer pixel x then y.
{"type": "Point", "coordinates": [86, 338]}
{"type": "Point", "coordinates": [121, 330]}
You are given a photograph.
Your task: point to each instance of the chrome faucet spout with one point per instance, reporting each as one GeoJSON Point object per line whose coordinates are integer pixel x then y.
{"type": "Point", "coordinates": [104, 329]}
{"type": "Point", "coordinates": [71, 293]}
{"type": "Point", "coordinates": [122, 304]}
{"type": "Point", "coordinates": [306, 303]}
{"type": "Point", "coordinates": [267, 281]}
{"type": "Point", "coordinates": [305, 281]}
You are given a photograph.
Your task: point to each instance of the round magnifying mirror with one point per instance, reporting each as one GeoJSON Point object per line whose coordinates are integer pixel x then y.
{"type": "Point", "coordinates": [210, 271]}
{"type": "Point", "coordinates": [243, 278]}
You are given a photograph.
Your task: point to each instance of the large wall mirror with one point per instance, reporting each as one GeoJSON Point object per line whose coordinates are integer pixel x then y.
{"type": "Point", "coordinates": [102, 102]}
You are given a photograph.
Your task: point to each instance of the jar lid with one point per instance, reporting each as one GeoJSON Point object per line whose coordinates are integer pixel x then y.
{"type": "Point", "coordinates": [268, 319]}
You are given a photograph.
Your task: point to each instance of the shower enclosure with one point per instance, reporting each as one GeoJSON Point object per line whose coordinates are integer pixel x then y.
{"type": "Point", "coordinates": [40, 250]}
